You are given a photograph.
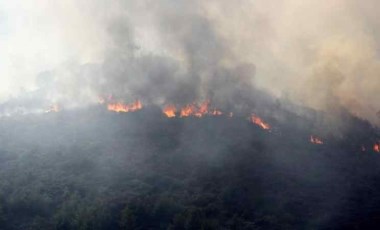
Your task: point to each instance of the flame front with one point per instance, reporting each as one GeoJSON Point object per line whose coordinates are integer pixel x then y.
{"type": "Point", "coordinates": [316, 140]}
{"type": "Point", "coordinates": [125, 108]}
{"type": "Point", "coordinates": [170, 111]}
{"type": "Point", "coordinates": [258, 121]}
{"type": "Point", "coordinates": [193, 109]}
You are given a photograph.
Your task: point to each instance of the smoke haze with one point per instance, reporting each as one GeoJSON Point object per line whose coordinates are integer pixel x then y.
{"type": "Point", "coordinates": [322, 54]}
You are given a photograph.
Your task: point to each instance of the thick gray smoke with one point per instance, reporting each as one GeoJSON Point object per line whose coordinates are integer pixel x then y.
{"type": "Point", "coordinates": [320, 53]}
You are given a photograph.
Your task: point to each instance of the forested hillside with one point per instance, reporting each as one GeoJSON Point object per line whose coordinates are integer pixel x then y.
{"type": "Point", "coordinates": [92, 169]}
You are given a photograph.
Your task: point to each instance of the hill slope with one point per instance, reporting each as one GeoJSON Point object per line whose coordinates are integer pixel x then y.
{"type": "Point", "coordinates": [93, 169]}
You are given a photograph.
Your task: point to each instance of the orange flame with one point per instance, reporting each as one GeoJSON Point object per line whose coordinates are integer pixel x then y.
{"type": "Point", "coordinates": [125, 108]}
{"type": "Point", "coordinates": [170, 111]}
{"type": "Point", "coordinates": [316, 140]}
{"type": "Point", "coordinates": [188, 110]}
{"type": "Point", "coordinates": [199, 110]}
{"type": "Point", "coordinates": [376, 148]}
{"type": "Point", "coordinates": [202, 109]}
{"type": "Point", "coordinates": [258, 121]}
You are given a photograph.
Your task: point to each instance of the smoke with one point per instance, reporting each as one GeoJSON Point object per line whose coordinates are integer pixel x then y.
{"type": "Point", "coordinates": [321, 54]}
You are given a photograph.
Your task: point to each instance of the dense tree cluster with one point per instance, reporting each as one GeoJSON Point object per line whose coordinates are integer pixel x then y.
{"type": "Point", "coordinates": [97, 170]}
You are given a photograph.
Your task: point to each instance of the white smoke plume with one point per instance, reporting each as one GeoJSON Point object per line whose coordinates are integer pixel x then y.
{"type": "Point", "coordinates": [323, 54]}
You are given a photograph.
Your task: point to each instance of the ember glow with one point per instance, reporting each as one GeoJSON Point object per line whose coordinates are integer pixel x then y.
{"type": "Point", "coordinates": [376, 147]}
{"type": "Point", "coordinates": [316, 140]}
{"type": "Point", "coordinates": [125, 108]}
{"type": "Point", "coordinates": [258, 121]}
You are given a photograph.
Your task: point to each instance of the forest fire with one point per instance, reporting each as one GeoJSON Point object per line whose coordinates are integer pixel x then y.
{"type": "Point", "coordinates": [202, 109]}
{"type": "Point", "coordinates": [258, 121]}
{"type": "Point", "coordinates": [198, 110]}
{"type": "Point", "coordinates": [125, 108]}
{"type": "Point", "coordinates": [316, 140]}
{"type": "Point", "coordinates": [188, 110]}
{"type": "Point", "coordinates": [193, 109]}
{"type": "Point", "coordinates": [170, 111]}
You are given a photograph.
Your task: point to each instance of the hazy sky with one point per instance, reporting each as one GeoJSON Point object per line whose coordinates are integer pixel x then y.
{"type": "Point", "coordinates": [320, 53]}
